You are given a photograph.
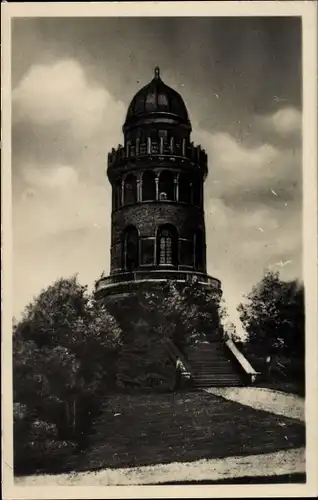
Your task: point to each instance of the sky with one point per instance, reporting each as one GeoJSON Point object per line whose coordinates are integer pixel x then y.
{"type": "Point", "coordinates": [72, 82]}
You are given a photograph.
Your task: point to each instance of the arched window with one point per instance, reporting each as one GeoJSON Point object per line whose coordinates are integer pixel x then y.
{"type": "Point", "coordinates": [184, 188]}
{"type": "Point", "coordinates": [199, 249]}
{"type": "Point", "coordinates": [166, 186]}
{"type": "Point", "coordinates": [130, 189]}
{"type": "Point", "coordinates": [130, 248]}
{"type": "Point", "coordinates": [117, 193]}
{"type": "Point", "coordinates": [167, 246]}
{"type": "Point", "coordinates": [148, 186]}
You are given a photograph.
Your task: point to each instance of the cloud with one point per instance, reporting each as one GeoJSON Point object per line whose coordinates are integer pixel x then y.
{"type": "Point", "coordinates": [252, 199]}
{"type": "Point", "coordinates": [243, 176]}
{"type": "Point", "coordinates": [64, 125]}
{"type": "Point", "coordinates": [242, 244]}
{"type": "Point", "coordinates": [56, 201]}
{"type": "Point", "coordinates": [252, 207]}
{"type": "Point", "coordinates": [60, 93]}
{"type": "Point", "coordinates": [61, 226]}
{"type": "Point", "coordinates": [58, 176]}
{"type": "Point", "coordinates": [285, 123]}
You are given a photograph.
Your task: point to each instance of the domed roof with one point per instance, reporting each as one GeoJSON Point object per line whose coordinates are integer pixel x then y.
{"type": "Point", "coordinates": [156, 98]}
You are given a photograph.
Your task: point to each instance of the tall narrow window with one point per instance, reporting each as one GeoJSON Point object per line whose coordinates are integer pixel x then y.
{"type": "Point", "coordinates": [130, 189]}
{"type": "Point", "coordinates": [186, 253]}
{"type": "Point", "coordinates": [117, 189]}
{"type": "Point", "coordinates": [166, 186]}
{"type": "Point", "coordinates": [184, 188]}
{"type": "Point", "coordinates": [197, 193]}
{"type": "Point", "coordinates": [199, 249]}
{"type": "Point", "coordinates": [113, 196]}
{"type": "Point", "coordinates": [147, 251]}
{"type": "Point", "coordinates": [167, 246]}
{"type": "Point", "coordinates": [130, 248]}
{"type": "Point", "coordinates": [148, 186]}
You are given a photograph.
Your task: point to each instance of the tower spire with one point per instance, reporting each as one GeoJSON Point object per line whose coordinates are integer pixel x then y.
{"type": "Point", "coordinates": [157, 72]}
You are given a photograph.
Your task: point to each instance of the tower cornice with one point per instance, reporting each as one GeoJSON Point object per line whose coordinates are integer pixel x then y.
{"type": "Point", "coordinates": [141, 156]}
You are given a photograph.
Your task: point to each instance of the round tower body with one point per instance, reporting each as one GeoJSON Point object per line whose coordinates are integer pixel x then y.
{"type": "Point", "coordinates": [157, 178]}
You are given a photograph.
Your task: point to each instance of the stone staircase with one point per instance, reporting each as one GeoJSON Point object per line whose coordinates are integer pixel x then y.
{"type": "Point", "coordinates": [211, 367]}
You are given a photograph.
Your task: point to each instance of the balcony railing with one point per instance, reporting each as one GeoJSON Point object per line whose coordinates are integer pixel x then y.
{"type": "Point", "coordinates": [132, 151]}
{"type": "Point", "coordinates": [180, 276]}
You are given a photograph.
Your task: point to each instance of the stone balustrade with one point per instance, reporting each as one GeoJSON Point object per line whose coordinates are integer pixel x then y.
{"type": "Point", "coordinates": [156, 275]}
{"type": "Point", "coordinates": [194, 154]}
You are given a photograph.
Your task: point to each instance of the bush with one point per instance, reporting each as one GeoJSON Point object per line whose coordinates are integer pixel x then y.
{"type": "Point", "coordinates": [65, 351]}
{"type": "Point", "coordinates": [145, 362]}
{"type": "Point", "coordinates": [274, 317]}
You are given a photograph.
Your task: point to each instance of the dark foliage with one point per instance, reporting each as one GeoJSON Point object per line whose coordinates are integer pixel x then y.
{"type": "Point", "coordinates": [65, 351]}
{"type": "Point", "coordinates": [274, 319]}
{"type": "Point", "coordinates": [152, 320]}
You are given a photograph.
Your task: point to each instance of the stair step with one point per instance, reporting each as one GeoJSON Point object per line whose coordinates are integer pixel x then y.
{"type": "Point", "coordinates": [217, 355]}
{"type": "Point", "coordinates": [218, 363]}
{"type": "Point", "coordinates": [215, 379]}
{"type": "Point", "coordinates": [214, 376]}
{"type": "Point", "coordinates": [211, 367]}
{"type": "Point", "coordinates": [216, 385]}
{"type": "Point", "coordinates": [224, 369]}
{"type": "Point", "coordinates": [209, 383]}
{"type": "Point", "coordinates": [214, 372]}
{"type": "Point", "coordinates": [196, 379]}
{"type": "Point", "coordinates": [216, 382]}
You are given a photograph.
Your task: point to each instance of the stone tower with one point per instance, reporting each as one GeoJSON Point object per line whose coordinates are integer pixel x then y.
{"type": "Point", "coordinates": [157, 178]}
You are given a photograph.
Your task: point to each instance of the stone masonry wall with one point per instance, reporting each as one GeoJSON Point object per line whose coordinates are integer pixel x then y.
{"type": "Point", "coordinates": [147, 217]}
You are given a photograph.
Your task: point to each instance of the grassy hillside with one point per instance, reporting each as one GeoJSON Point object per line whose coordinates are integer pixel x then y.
{"type": "Point", "coordinates": [147, 429]}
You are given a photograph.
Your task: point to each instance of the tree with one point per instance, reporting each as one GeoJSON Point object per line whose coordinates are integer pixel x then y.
{"type": "Point", "coordinates": [154, 318]}
{"type": "Point", "coordinates": [64, 359]}
{"type": "Point", "coordinates": [273, 316]}
{"type": "Point", "coordinates": [183, 313]}
{"type": "Point", "coordinates": [50, 318]}
{"type": "Point", "coordinates": [200, 310]}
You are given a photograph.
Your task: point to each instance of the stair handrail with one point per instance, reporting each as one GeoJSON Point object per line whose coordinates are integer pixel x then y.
{"type": "Point", "coordinates": [176, 353]}
{"type": "Point", "coordinates": [244, 363]}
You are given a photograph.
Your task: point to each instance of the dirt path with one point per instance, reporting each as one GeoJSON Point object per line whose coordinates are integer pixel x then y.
{"type": "Point", "coordinates": [270, 464]}
{"type": "Point", "coordinates": [280, 403]}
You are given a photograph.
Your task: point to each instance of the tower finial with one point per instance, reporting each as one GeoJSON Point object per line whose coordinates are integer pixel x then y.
{"type": "Point", "coordinates": [157, 72]}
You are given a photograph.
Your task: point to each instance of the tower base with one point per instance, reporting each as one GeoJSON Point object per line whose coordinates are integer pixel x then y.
{"type": "Point", "coordinates": [148, 359]}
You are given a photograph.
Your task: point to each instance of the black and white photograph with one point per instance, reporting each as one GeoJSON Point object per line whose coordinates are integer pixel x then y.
{"type": "Point", "coordinates": [159, 326]}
